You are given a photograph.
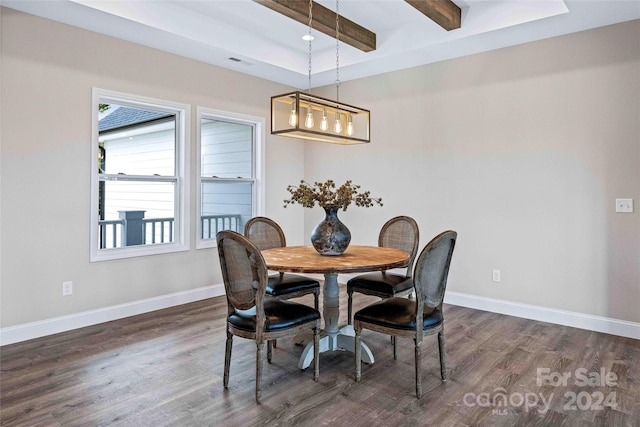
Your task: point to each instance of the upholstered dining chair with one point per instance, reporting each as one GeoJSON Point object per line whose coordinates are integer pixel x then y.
{"type": "Point", "coordinates": [265, 233]}
{"type": "Point", "coordinates": [401, 233]}
{"type": "Point", "coordinates": [251, 313]}
{"type": "Point", "coordinates": [414, 318]}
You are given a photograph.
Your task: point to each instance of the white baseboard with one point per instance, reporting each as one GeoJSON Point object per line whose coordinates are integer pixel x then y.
{"type": "Point", "coordinates": [551, 315]}
{"type": "Point", "coordinates": [27, 331]}
{"type": "Point", "coordinates": [574, 319]}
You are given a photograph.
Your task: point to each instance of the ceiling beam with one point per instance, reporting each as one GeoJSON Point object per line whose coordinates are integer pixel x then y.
{"type": "Point", "coordinates": [443, 12]}
{"type": "Point", "coordinates": [324, 20]}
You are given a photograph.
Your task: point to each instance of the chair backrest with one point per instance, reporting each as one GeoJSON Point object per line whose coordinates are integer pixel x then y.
{"type": "Point", "coordinates": [265, 233]}
{"type": "Point", "coordinates": [401, 233]}
{"type": "Point", "coordinates": [244, 271]}
{"type": "Point", "coordinates": [432, 270]}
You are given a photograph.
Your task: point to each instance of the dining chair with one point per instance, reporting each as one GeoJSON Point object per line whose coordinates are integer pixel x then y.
{"type": "Point", "coordinates": [399, 316]}
{"type": "Point", "coordinates": [401, 233]}
{"type": "Point", "coordinates": [251, 313]}
{"type": "Point", "coordinates": [265, 233]}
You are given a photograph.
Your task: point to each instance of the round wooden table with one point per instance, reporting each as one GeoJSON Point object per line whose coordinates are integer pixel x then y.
{"type": "Point", "coordinates": [356, 259]}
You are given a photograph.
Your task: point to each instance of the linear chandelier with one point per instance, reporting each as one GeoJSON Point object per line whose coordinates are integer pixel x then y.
{"type": "Point", "coordinates": [302, 115]}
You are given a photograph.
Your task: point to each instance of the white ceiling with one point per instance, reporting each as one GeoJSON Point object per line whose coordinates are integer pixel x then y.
{"type": "Point", "coordinates": [270, 45]}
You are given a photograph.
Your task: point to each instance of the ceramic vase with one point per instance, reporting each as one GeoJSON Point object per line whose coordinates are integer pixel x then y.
{"type": "Point", "coordinates": [331, 236]}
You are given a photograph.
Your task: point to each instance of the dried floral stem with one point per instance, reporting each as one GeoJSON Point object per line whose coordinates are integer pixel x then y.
{"type": "Point", "coordinates": [326, 194]}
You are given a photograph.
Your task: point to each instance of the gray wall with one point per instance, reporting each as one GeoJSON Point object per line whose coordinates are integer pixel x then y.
{"type": "Point", "coordinates": [523, 151]}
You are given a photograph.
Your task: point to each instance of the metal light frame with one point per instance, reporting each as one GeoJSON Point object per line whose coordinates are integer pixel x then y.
{"type": "Point", "coordinates": [283, 105]}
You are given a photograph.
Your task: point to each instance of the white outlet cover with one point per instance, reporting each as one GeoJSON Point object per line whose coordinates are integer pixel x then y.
{"type": "Point", "coordinates": [624, 205]}
{"type": "Point", "coordinates": [67, 288]}
{"type": "Point", "coordinates": [496, 275]}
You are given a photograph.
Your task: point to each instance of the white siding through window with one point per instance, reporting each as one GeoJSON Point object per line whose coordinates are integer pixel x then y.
{"type": "Point", "coordinates": [226, 149]}
{"type": "Point", "coordinates": [145, 153]}
{"type": "Point", "coordinates": [227, 152]}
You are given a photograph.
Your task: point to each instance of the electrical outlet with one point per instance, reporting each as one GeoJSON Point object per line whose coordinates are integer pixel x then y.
{"type": "Point", "coordinates": [496, 275]}
{"type": "Point", "coordinates": [67, 288]}
{"type": "Point", "coordinates": [624, 205]}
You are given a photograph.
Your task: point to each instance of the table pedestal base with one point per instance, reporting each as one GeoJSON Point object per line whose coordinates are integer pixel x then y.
{"type": "Point", "coordinates": [333, 338]}
{"type": "Point", "coordinates": [344, 340]}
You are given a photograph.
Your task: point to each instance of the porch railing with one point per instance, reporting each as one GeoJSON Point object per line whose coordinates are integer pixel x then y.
{"type": "Point", "coordinates": [158, 229]}
{"type": "Point", "coordinates": [134, 229]}
{"type": "Point", "coordinates": [110, 232]}
{"type": "Point", "coordinates": [211, 224]}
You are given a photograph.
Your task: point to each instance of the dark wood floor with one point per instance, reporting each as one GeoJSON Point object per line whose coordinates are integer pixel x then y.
{"type": "Point", "coordinates": [165, 369]}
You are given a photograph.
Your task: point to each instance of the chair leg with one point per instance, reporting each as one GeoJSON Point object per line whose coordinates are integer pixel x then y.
{"type": "Point", "coordinates": [316, 353]}
{"type": "Point", "coordinates": [394, 341]}
{"type": "Point", "coordinates": [358, 352]}
{"type": "Point", "coordinates": [259, 351]}
{"type": "Point", "coordinates": [418, 364]}
{"type": "Point", "coordinates": [349, 306]}
{"type": "Point", "coordinates": [227, 359]}
{"type": "Point", "coordinates": [316, 295]}
{"type": "Point", "coordinates": [275, 343]}
{"type": "Point", "coordinates": [443, 368]}
{"type": "Point", "coordinates": [269, 350]}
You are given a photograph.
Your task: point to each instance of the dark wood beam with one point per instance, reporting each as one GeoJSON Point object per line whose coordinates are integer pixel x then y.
{"type": "Point", "coordinates": [324, 20]}
{"type": "Point", "coordinates": [443, 12]}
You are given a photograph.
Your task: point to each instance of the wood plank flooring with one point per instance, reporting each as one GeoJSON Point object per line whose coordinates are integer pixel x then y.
{"type": "Point", "coordinates": [165, 369]}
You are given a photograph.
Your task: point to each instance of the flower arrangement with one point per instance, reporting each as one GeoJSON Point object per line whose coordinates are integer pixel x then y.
{"type": "Point", "coordinates": [325, 194]}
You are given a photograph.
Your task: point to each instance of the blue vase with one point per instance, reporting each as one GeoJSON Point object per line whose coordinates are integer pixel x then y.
{"type": "Point", "coordinates": [330, 237]}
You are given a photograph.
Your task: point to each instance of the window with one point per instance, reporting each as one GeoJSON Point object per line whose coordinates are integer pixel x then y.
{"type": "Point", "coordinates": [229, 170]}
{"type": "Point", "coordinates": [140, 182]}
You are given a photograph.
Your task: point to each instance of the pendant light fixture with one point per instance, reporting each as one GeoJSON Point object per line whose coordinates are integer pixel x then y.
{"type": "Point", "coordinates": [338, 123]}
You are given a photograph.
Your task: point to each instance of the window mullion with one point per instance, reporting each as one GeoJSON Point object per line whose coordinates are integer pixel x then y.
{"type": "Point", "coordinates": [216, 179]}
{"type": "Point", "coordinates": [122, 177]}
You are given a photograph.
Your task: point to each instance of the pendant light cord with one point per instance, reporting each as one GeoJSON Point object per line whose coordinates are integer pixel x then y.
{"type": "Point", "coordinates": [337, 51]}
{"type": "Point", "coordinates": [310, 38]}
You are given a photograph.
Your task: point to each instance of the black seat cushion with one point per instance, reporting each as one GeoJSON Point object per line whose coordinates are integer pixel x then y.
{"type": "Point", "coordinates": [279, 314]}
{"type": "Point", "coordinates": [398, 313]}
{"type": "Point", "coordinates": [290, 283]}
{"type": "Point", "coordinates": [380, 282]}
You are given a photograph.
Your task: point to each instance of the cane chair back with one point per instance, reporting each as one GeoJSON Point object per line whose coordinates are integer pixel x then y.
{"type": "Point", "coordinates": [243, 271]}
{"type": "Point", "coordinates": [432, 270]}
{"type": "Point", "coordinates": [265, 233]}
{"type": "Point", "coordinates": [401, 233]}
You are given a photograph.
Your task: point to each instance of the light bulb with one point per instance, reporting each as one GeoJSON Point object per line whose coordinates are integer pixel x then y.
{"type": "Point", "coordinates": [293, 117]}
{"type": "Point", "coordinates": [309, 120]}
{"type": "Point", "coordinates": [337, 128]}
{"type": "Point", "coordinates": [349, 125]}
{"type": "Point", "coordinates": [324, 123]}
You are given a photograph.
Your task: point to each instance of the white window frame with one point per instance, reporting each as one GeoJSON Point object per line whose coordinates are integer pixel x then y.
{"type": "Point", "coordinates": [258, 178]}
{"type": "Point", "coordinates": [182, 173]}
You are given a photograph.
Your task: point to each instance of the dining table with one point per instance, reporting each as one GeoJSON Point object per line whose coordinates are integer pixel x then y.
{"type": "Point", "coordinates": [356, 259]}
